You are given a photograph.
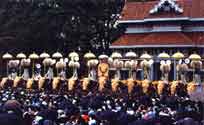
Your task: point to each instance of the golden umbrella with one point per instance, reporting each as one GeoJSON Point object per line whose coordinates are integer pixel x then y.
{"type": "Point", "coordinates": [33, 56]}
{"type": "Point", "coordinates": [178, 55]}
{"type": "Point", "coordinates": [7, 57]}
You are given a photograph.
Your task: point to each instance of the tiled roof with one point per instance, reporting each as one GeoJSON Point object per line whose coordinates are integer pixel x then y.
{"type": "Point", "coordinates": [165, 38]}
{"type": "Point", "coordinates": [140, 10]}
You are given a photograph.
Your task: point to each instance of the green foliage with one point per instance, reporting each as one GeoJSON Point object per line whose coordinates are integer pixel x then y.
{"type": "Point", "coordinates": [63, 25]}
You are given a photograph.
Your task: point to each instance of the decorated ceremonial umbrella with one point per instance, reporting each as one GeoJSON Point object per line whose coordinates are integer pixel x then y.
{"type": "Point", "coordinates": [7, 57]}
{"type": "Point", "coordinates": [103, 56]}
{"type": "Point", "coordinates": [163, 55]}
{"type": "Point", "coordinates": [21, 56]}
{"type": "Point", "coordinates": [57, 55]}
{"type": "Point", "coordinates": [33, 57]}
{"type": "Point", "coordinates": [130, 54]}
{"type": "Point", "coordinates": [146, 56]}
{"type": "Point", "coordinates": [44, 55]}
{"type": "Point", "coordinates": [89, 55]}
{"type": "Point", "coordinates": [116, 55]}
{"type": "Point", "coordinates": [178, 55]}
{"type": "Point", "coordinates": [194, 57]}
{"type": "Point", "coordinates": [73, 55]}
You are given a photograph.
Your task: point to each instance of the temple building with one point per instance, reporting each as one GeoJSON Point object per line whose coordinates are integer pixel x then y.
{"type": "Point", "coordinates": [162, 25]}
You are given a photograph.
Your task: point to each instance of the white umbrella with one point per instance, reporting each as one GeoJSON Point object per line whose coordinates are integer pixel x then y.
{"type": "Point", "coordinates": [194, 57]}
{"type": "Point", "coordinates": [7, 56]}
{"type": "Point", "coordinates": [131, 54]}
{"type": "Point", "coordinates": [103, 56]}
{"type": "Point", "coordinates": [21, 56]}
{"type": "Point", "coordinates": [145, 56]}
{"type": "Point", "coordinates": [163, 55]}
{"type": "Point", "coordinates": [57, 55]}
{"type": "Point", "coordinates": [73, 54]}
{"type": "Point", "coordinates": [44, 55]}
{"type": "Point", "coordinates": [116, 55]}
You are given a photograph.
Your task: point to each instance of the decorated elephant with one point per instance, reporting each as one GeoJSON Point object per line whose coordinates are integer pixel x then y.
{"type": "Point", "coordinates": [72, 83]}
{"type": "Point", "coordinates": [130, 84]}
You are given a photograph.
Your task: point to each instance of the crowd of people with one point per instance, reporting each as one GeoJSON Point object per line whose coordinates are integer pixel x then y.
{"type": "Point", "coordinates": [100, 98]}
{"type": "Point", "coordinates": [20, 106]}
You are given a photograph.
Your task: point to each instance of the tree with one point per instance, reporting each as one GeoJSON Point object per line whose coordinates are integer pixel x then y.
{"type": "Point", "coordinates": [64, 25]}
